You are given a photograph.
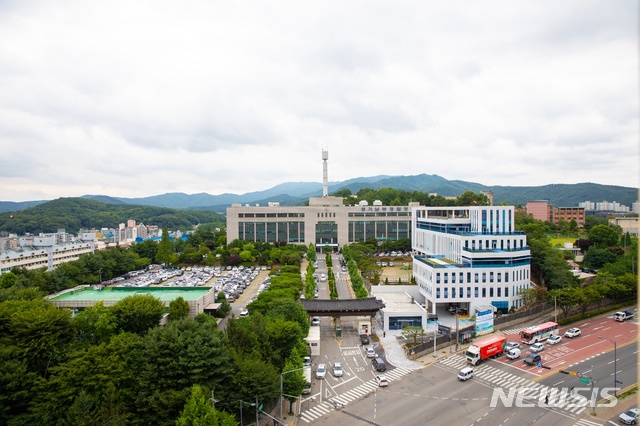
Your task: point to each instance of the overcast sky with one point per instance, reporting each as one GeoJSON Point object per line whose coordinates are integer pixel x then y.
{"type": "Point", "coordinates": [139, 98]}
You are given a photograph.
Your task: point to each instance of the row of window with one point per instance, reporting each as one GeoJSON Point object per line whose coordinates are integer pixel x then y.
{"type": "Point", "coordinates": [477, 292]}
{"type": "Point", "coordinates": [516, 275]}
{"type": "Point", "coordinates": [253, 215]}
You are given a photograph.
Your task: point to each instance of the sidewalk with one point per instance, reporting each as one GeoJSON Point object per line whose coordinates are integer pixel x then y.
{"type": "Point", "coordinates": [396, 356]}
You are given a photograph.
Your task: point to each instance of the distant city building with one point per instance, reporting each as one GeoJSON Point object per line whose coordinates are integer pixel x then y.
{"type": "Point", "coordinates": [608, 206]}
{"type": "Point", "coordinates": [43, 252]}
{"type": "Point", "coordinates": [628, 224]}
{"type": "Point", "coordinates": [542, 210]}
{"type": "Point", "coordinates": [470, 256]}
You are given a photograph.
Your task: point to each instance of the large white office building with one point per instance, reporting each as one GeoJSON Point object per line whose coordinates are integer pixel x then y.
{"type": "Point", "coordinates": [470, 257]}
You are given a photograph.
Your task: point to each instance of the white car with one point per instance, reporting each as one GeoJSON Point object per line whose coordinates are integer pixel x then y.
{"type": "Point", "coordinates": [244, 312]}
{"type": "Point", "coordinates": [315, 321]}
{"type": "Point", "coordinates": [537, 347]}
{"type": "Point", "coordinates": [382, 381]}
{"type": "Point", "coordinates": [554, 339]}
{"type": "Point", "coordinates": [629, 417]}
{"type": "Point", "coordinates": [337, 369]}
{"type": "Point", "coordinates": [572, 332]}
{"type": "Point", "coordinates": [321, 371]}
{"type": "Point", "coordinates": [371, 353]}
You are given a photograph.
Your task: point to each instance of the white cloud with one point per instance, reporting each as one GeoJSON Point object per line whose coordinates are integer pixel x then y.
{"type": "Point", "coordinates": [137, 99]}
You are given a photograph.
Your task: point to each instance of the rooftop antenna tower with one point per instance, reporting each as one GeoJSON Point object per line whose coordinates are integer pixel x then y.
{"type": "Point", "coordinates": [325, 178]}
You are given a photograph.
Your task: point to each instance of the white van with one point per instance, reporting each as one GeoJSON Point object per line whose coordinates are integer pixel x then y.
{"type": "Point", "coordinates": [513, 353]}
{"type": "Point", "coordinates": [465, 374]}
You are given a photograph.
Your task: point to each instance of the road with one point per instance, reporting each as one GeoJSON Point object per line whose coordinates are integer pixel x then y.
{"type": "Point", "coordinates": [434, 396]}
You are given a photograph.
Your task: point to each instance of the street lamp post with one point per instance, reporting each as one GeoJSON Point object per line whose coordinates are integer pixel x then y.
{"type": "Point", "coordinates": [615, 365]}
{"type": "Point", "coordinates": [555, 310]}
{"type": "Point", "coordinates": [243, 402]}
{"type": "Point", "coordinates": [281, 390]}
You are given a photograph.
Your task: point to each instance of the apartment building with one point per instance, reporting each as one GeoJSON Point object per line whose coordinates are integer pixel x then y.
{"type": "Point", "coordinates": [470, 256]}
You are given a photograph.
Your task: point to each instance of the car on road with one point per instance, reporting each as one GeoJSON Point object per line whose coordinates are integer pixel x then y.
{"type": "Point", "coordinates": [556, 338]}
{"type": "Point", "coordinates": [465, 374]}
{"type": "Point", "coordinates": [629, 417]}
{"type": "Point", "coordinates": [364, 339]}
{"type": "Point", "coordinates": [514, 353]}
{"type": "Point", "coordinates": [379, 364]}
{"type": "Point", "coordinates": [511, 345]}
{"type": "Point", "coordinates": [337, 369]}
{"type": "Point", "coordinates": [537, 347]}
{"type": "Point", "coordinates": [371, 353]}
{"type": "Point", "coordinates": [382, 381]}
{"type": "Point", "coordinates": [315, 321]}
{"type": "Point", "coordinates": [244, 312]}
{"type": "Point", "coordinates": [532, 359]}
{"type": "Point", "coordinates": [321, 371]}
{"type": "Point", "coordinates": [572, 332]}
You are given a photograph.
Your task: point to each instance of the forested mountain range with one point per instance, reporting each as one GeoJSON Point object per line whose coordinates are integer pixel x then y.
{"type": "Point", "coordinates": [73, 214]}
{"type": "Point", "coordinates": [297, 193]}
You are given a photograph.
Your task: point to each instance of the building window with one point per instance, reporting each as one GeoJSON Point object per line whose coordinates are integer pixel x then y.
{"type": "Point", "coordinates": [490, 291]}
{"type": "Point", "coordinates": [506, 292]}
{"type": "Point", "coordinates": [484, 277]}
{"type": "Point", "coordinates": [468, 292]}
{"type": "Point", "coordinates": [437, 293]}
{"type": "Point", "coordinates": [499, 277]}
{"type": "Point", "coordinates": [499, 291]}
{"type": "Point", "coordinates": [476, 292]}
{"type": "Point", "coordinates": [484, 292]}
{"type": "Point", "coordinates": [453, 293]}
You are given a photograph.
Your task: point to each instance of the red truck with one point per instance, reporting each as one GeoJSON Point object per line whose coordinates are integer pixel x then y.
{"type": "Point", "coordinates": [487, 348]}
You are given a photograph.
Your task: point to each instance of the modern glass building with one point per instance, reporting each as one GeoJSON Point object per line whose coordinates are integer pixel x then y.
{"type": "Point", "coordinates": [470, 256]}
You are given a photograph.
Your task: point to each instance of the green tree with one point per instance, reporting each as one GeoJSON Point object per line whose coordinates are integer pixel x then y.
{"type": "Point", "coordinates": [178, 309]}
{"type": "Point", "coordinates": [138, 313]}
{"type": "Point", "coordinates": [95, 324]}
{"type": "Point", "coordinates": [165, 253]}
{"type": "Point", "coordinates": [603, 236]}
{"type": "Point", "coordinates": [199, 412]}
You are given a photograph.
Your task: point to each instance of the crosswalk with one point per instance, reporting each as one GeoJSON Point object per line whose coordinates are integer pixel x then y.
{"type": "Point", "coordinates": [351, 395]}
{"type": "Point", "coordinates": [513, 330]}
{"type": "Point", "coordinates": [559, 398]}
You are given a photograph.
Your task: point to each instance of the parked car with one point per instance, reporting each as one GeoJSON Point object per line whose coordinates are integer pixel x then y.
{"type": "Point", "coordinates": [315, 321]}
{"type": "Point", "coordinates": [382, 381]}
{"type": "Point", "coordinates": [244, 312]}
{"type": "Point", "coordinates": [321, 371]}
{"type": "Point", "coordinates": [556, 338]}
{"type": "Point", "coordinates": [465, 374]}
{"type": "Point", "coordinates": [629, 417]}
{"type": "Point", "coordinates": [337, 369]}
{"type": "Point", "coordinates": [532, 359]}
{"type": "Point", "coordinates": [364, 339]}
{"type": "Point", "coordinates": [572, 332]}
{"type": "Point", "coordinates": [379, 364]}
{"type": "Point", "coordinates": [537, 347]}
{"type": "Point", "coordinates": [371, 353]}
{"type": "Point", "coordinates": [432, 317]}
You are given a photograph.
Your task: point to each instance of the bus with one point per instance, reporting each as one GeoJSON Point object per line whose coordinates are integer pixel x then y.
{"type": "Point", "coordinates": [538, 333]}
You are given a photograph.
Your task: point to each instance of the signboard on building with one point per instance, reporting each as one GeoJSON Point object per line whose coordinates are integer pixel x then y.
{"type": "Point", "coordinates": [484, 320]}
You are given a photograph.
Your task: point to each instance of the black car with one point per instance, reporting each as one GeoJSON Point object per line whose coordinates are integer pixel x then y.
{"type": "Point", "coordinates": [432, 317]}
{"type": "Point", "coordinates": [533, 359]}
{"type": "Point", "coordinates": [364, 339]}
{"type": "Point", "coordinates": [379, 364]}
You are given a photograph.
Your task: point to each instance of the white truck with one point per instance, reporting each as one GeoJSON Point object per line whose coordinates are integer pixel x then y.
{"type": "Point", "coordinates": [623, 315]}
